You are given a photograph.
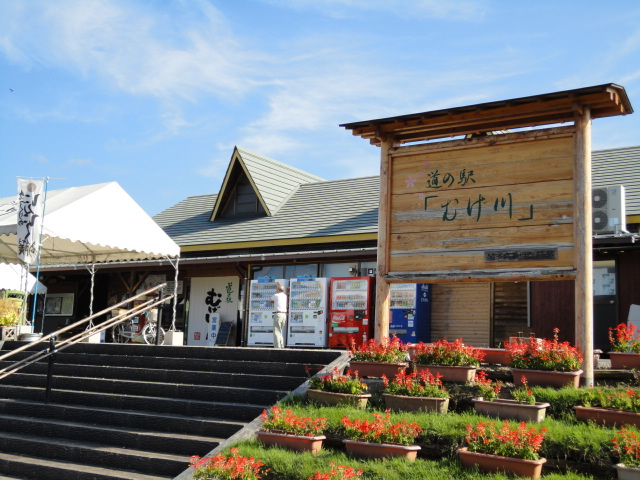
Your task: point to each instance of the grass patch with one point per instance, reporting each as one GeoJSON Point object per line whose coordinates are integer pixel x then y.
{"type": "Point", "coordinates": [574, 450]}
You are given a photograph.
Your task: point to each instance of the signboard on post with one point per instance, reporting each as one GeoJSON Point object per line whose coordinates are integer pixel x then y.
{"type": "Point", "coordinates": [495, 205]}
{"type": "Point", "coordinates": [494, 208]}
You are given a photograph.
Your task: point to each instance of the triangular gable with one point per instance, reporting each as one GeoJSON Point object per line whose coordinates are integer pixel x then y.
{"type": "Point", "coordinates": [273, 181]}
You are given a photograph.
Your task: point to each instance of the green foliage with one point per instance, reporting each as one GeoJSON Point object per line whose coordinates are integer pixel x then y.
{"type": "Point", "coordinates": [579, 444]}
{"type": "Point", "coordinates": [415, 384]}
{"type": "Point", "coordinates": [335, 382]}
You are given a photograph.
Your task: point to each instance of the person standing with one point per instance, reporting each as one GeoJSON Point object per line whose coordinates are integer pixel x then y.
{"type": "Point", "coordinates": [279, 315]}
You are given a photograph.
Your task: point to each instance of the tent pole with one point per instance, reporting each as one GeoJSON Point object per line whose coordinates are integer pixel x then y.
{"type": "Point", "coordinates": [35, 292]}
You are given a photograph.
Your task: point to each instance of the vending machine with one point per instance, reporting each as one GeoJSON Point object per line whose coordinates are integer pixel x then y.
{"type": "Point", "coordinates": [410, 312]}
{"type": "Point", "coordinates": [307, 326]}
{"type": "Point", "coordinates": [351, 312]}
{"type": "Point", "coordinates": [260, 326]}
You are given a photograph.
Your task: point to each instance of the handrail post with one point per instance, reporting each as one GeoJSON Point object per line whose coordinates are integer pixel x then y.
{"type": "Point", "coordinates": [159, 319]}
{"type": "Point", "coordinates": [52, 355]}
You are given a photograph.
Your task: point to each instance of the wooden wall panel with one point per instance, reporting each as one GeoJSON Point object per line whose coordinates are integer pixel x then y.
{"type": "Point", "coordinates": [510, 310]}
{"type": "Point", "coordinates": [553, 305]}
{"type": "Point", "coordinates": [502, 205]}
{"type": "Point", "coordinates": [628, 282]}
{"type": "Point", "coordinates": [461, 310]}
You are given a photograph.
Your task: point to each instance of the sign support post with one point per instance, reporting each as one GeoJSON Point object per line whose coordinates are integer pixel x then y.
{"type": "Point", "coordinates": [583, 241]}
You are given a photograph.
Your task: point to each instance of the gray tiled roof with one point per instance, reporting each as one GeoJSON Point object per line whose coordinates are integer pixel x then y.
{"type": "Point", "coordinates": [320, 209]}
{"type": "Point", "coordinates": [619, 166]}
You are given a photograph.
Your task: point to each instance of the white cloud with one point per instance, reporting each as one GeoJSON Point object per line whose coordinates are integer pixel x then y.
{"type": "Point", "coordinates": [140, 51]}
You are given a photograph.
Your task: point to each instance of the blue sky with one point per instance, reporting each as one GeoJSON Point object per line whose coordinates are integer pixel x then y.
{"type": "Point", "coordinates": [154, 94]}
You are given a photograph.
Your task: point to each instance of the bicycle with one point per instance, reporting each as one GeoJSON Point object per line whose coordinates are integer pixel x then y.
{"type": "Point", "coordinates": [127, 331]}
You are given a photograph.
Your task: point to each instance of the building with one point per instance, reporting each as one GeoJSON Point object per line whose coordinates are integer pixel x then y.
{"type": "Point", "coordinates": [272, 220]}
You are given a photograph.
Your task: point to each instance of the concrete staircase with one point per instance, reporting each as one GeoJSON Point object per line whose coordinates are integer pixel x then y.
{"type": "Point", "coordinates": [137, 412]}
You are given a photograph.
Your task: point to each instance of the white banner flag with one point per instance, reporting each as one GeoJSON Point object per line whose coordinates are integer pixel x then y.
{"type": "Point", "coordinates": [30, 211]}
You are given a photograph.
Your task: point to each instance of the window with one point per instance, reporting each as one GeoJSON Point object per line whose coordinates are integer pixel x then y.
{"type": "Point", "coordinates": [242, 200]}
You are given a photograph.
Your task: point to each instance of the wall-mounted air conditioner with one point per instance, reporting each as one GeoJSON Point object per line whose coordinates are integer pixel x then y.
{"type": "Point", "coordinates": [608, 210]}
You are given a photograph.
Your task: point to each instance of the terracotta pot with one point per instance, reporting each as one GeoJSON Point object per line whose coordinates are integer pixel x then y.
{"type": "Point", "coordinates": [451, 373]}
{"type": "Point", "coordinates": [496, 356]}
{"type": "Point", "coordinates": [496, 463]}
{"type": "Point", "coordinates": [607, 417]}
{"type": "Point", "coordinates": [381, 450]}
{"type": "Point", "coordinates": [377, 369]}
{"type": "Point", "coordinates": [544, 378]}
{"type": "Point", "coordinates": [506, 409]}
{"type": "Point", "coordinates": [627, 473]}
{"type": "Point", "coordinates": [405, 403]}
{"type": "Point", "coordinates": [298, 443]}
{"type": "Point", "coordinates": [332, 398]}
{"type": "Point", "coordinates": [622, 361]}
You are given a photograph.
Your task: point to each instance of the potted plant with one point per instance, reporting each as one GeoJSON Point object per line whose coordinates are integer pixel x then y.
{"type": "Point", "coordinates": [374, 359]}
{"type": "Point", "coordinates": [294, 432]}
{"type": "Point", "coordinates": [545, 362]}
{"type": "Point", "coordinates": [380, 437]}
{"type": "Point", "coordinates": [416, 391]}
{"type": "Point", "coordinates": [494, 448]}
{"type": "Point", "coordinates": [522, 407]}
{"type": "Point", "coordinates": [337, 472]}
{"type": "Point", "coordinates": [610, 407]}
{"type": "Point", "coordinates": [232, 467]}
{"type": "Point", "coordinates": [626, 447]}
{"type": "Point", "coordinates": [338, 389]}
{"type": "Point", "coordinates": [9, 317]}
{"type": "Point", "coordinates": [625, 346]}
{"type": "Point", "coordinates": [454, 361]}
{"type": "Point", "coordinates": [495, 356]}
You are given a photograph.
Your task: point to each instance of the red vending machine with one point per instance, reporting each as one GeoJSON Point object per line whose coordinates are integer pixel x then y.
{"type": "Point", "coordinates": [351, 310]}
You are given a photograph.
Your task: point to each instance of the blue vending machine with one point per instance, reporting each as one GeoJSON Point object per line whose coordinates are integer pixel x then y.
{"type": "Point", "coordinates": [410, 312]}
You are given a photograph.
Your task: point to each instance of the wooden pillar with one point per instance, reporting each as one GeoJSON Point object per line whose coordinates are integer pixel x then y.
{"type": "Point", "coordinates": [381, 328]}
{"type": "Point", "coordinates": [583, 241]}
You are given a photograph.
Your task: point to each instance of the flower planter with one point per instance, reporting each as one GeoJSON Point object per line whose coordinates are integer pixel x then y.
{"type": "Point", "coordinates": [624, 361]}
{"type": "Point", "coordinates": [544, 378]}
{"type": "Point", "coordinates": [332, 398]}
{"type": "Point", "coordinates": [298, 443]}
{"type": "Point", "coordinates": [496, 356]}
{"type": "Point", "coordinates": [377, 369]}
{"type": "Point", "coordinates": [381, 450]}
{"type": "Point", "coordinates": [607, 417]}
{"type": "Point", "coordinates": [496, 463]}
{"type": "Point", "coordinates": [451, 373]}
{"type": "Point", "coordinates": [627, 473]}
{"type": "Point", "coordinates": [8, 333]}
{"type": "Point", "coordinates": [511, 409]}
{"type": "Point", "coordinates": [406, 403]}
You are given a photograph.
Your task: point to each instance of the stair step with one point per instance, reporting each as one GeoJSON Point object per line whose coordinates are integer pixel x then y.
{"type": "Point", "coordinates": [191, 408]}
{"type": "Point", "coordinates": [247, 380]}
{"type": "Point", "coordinates": [94, 454]}
{"type": "Point", "coordinates": [137, 412]}
{"type": "Point", "coordinates": [159, 442]}
{"type": "Point", "coordinates": [167, 390]}
{"type": "Point", "coordinates": [35, 468]}
{"type": "Point", "coordinates": [205, 427]}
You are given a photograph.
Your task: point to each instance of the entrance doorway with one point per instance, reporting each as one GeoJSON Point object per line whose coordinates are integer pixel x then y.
{"type": "Point", "coordinates": [605, 302]}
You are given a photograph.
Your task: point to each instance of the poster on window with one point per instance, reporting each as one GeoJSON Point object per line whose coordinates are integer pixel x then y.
{"type": "Point", "coordinates": [213, 300]}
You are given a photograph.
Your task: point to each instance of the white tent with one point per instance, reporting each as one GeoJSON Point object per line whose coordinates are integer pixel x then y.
{"type": "Point", "coordinates": [11, 279]}
{"type": "Point", "coordinates": [90, 224]}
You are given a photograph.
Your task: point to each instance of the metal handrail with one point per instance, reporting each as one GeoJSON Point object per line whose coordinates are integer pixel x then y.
{"type": "Point", "coordinates": [52, 348]}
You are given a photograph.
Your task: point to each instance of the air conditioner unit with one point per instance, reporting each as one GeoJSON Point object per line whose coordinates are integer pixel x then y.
{"type": "Point", "coordinates": [608, 210]}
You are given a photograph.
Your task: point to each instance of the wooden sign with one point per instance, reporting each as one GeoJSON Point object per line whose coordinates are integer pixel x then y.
{"type": "Point", "coordinates": [481, 208]}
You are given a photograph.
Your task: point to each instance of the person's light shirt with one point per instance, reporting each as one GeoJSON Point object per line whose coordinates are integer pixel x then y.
{"type": "Point", "coordinates": [280, 302]}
